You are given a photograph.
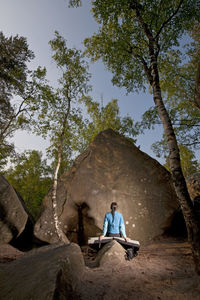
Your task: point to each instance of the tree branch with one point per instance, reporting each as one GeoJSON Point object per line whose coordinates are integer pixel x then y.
{"type": "Point", "coordinates": [20, 110]}
{"type": "Point", "coordinates": [147, 69]}
{"type": "Point", "coordinates": [191, 144]}
{"type": "Point", "coordinates": [169, 19]}
{"type": "Point", "coordinates": [134, 5]}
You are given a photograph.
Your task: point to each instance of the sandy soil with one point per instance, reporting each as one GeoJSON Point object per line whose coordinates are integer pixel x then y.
{"type": "Point", "coordinates": [162, 270]}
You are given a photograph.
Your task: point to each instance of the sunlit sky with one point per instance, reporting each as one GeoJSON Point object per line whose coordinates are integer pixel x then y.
{"type": "Point", "coordinates": [37, 20]}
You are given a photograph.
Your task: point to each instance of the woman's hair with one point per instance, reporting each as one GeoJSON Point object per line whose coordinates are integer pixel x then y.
{"type": "Point", "coordinates": [113, 207]}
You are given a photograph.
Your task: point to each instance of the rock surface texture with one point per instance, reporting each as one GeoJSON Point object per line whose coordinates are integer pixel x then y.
{"type": "Point", "coordinates": [111, 254]}
{"type": "Point", "coordinates": [13, 217]}
{"type": "Point", "coordinates": [193, 184]}
{"type": "Point", "coordinates": [111, 169]}
{"type": "Point", "coordinates": [52, 272]}
{"type": "Point", "coordinates": [9, 253]}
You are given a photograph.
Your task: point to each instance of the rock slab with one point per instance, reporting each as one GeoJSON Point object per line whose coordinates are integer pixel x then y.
{"type": "Point", "coordinates": [111, 254]}
{"type": "Point", "coordinates": [52, 272]}
{"type": "Point", "coordinates": [9, 253]}
{"type": "Point", "coordinates": [193, 184]}
{"type": "Point", "coordinates": [13, 217]}
{"type": "Point", "coordinates": [111, 169]}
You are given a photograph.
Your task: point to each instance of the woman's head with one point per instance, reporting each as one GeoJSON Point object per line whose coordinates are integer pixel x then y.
{"type": "Point", "coordinates": [113, 206]}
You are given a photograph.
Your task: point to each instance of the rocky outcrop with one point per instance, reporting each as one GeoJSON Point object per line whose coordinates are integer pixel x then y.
{"type": "Point", "coordinates": [9, 253]}
{"type": "Point", "coordinates": [13, 217]}
{"type": "Point", "coordinates": [193, 184]}
{"type": "Point", "coordinates": [52, 272]}
{"type": "Point", "coordinates": [111, 169]}
{"type": "Point", "coordinates": [111, 254]}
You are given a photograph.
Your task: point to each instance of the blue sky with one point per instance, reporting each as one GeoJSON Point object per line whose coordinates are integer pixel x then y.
{"type": "Point", "coordinates": [37, 20]}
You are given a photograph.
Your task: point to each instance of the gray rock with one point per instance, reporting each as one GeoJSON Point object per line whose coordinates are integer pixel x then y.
{"type": "Point", "coordinates": [111, 254]}
{"type": "Point", "coordinates": [193, 184]}
{"type": "Point", "coordinates": [13, 217]}
{"type": "Point", "coordinates": [9, 253]}
{"type": "Point", "coordinates": [111, 169]}
{"type": "Point", "coordinates": [52, 272]}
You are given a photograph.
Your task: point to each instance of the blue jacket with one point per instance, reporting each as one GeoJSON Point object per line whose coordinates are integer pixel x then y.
{"type": "Point", "coordinates": [117, 227]}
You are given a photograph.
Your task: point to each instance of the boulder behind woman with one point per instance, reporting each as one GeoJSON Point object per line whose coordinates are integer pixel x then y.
{"type": "Point", "coordinates": [111, 169]}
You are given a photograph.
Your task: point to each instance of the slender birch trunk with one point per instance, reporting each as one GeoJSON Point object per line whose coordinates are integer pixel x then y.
{"type": "Point", "coordinates": [62, 237]}
{"type": "Point", "coordinates": [179, 182]}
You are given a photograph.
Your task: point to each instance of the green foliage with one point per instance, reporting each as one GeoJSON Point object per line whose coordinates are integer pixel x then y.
{"type": "Point", "coordinates": [15, 90]}
{"type": "Point", "coordinates": [70, 144]}
{"type": "Point", "coordinates": [57, 112]}
{"type": "Point", "coordinates": [188, 162]}
{"type": "Point", "coordinates": [185, 119]}
{"type": "Point", "coordinates": [123, 41]}
{"type": "Point", "coordinates": [102, 118]}
{"type": "Point", "coordinates": [31, 177]}
{"type": "Point", "coordinates": [178, 78]}
{"type": "Point", "coordinates": [15, 55]}
{"type": "Point", "coordinates": [6, 150]}
{"type": "Point", "coordinates": [135, 35]}
{"type": "Point", "coordinates": [179, 82]}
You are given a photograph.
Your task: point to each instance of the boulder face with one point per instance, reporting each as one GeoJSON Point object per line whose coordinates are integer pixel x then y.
{"type": "Point", "coordinates": [111, 169]}
{"type": "Point", "coordinates": [51, 272]}
{"type": "Point", "coordinates": [13, 217]}
{"type": "Point", "coordinates": [111, 254]}
{"type": "Point", "coordinates": [193, 184]}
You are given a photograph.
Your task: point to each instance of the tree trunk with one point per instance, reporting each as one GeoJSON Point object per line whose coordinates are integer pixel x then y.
{"type": "Point", "coordinates": [62, 237]}
{"type": "Point", "coordinates": [180, 186]}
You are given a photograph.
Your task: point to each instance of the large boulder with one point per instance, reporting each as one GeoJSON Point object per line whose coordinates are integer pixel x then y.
{"type": "Point", "coordinates": [13, 216]}
{"type": "Point", "coordinates": [193, 184]}
{"type": "Point", "coordinates": [111, 169]}
{"type": "Point", "coordinates": [52, 272]}
{"type": "Point", "coordinates": [110, 254]}
{"type": "Point", "coordinates": [9, 253]}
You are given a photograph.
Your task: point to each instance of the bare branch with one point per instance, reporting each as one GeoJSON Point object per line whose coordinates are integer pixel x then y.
{"type": "Point", "coordinates": [191, 144]}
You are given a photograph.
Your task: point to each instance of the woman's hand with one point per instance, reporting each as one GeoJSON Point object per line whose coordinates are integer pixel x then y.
{"type": "Point", "coordinates": [101, 237]}
{"type": "Point", "coordinates": [126, 239]}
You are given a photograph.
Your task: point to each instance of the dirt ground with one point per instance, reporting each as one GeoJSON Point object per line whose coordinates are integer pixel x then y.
{"type": "Point", "coordinates": [163, 269]}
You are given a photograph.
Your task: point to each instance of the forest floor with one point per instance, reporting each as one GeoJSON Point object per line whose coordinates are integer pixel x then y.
{"type": "Point", "coordinates": [163, 269]}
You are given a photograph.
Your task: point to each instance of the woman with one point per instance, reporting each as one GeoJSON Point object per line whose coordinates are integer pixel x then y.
{"type": "Point", "coordinates": [113, 224]}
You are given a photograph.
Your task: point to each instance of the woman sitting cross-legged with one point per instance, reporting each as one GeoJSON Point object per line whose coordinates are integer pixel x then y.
{"type": "Point", "coordinates": [113, 224]}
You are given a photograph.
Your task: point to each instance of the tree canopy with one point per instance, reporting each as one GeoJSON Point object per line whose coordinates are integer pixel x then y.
{"type": "Point", "coordinates": [100, 118]}
{"type": "Point", "coordinates": [122, 41]}
{"type": "Point", "coordinates": [179, 78]}
{"type": "Point", "coordinates": [15, 90]}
